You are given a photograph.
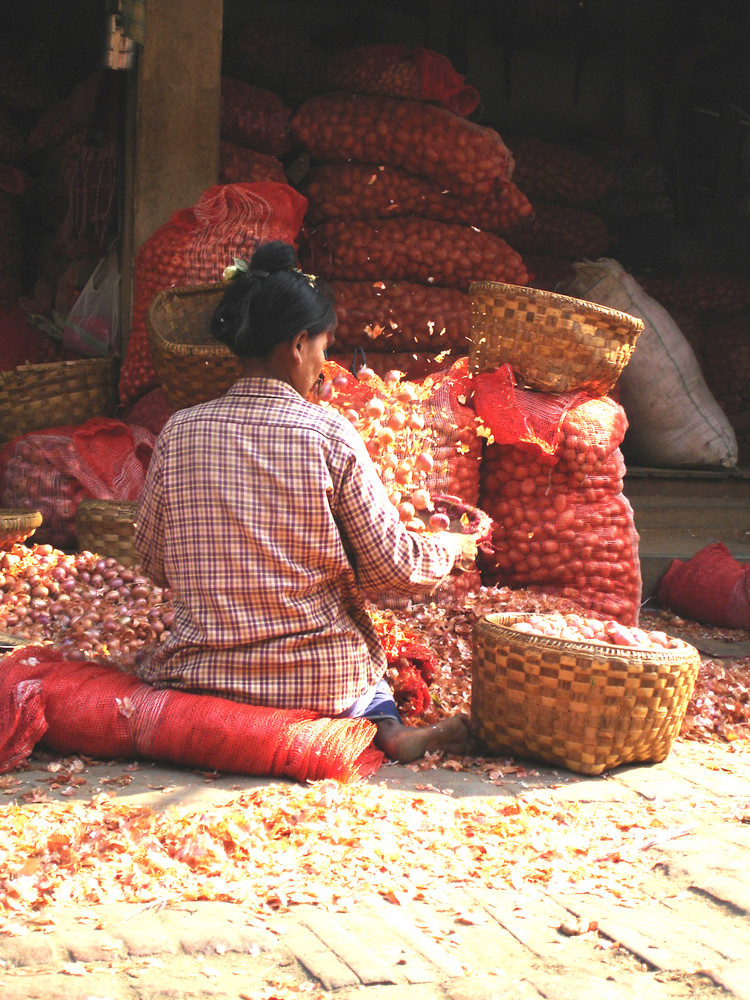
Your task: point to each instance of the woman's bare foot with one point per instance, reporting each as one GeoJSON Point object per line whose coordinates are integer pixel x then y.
{"type": "Point", "coordinates": [405, 744]}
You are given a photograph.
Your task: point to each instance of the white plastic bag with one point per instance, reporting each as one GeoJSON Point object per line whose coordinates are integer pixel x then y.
{"type": "Point", "coordinates": [93, 324]}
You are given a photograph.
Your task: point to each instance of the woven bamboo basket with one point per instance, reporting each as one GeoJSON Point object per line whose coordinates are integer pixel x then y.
{"type": "Point", "coordinates": [17, 525]}
{"type": "Point", "coordinates": [584, 706]}
{"type": "Point", "coordinates": [36, 397]}
{"type": "Point", "coordinates": [107, 527]}
{"type": "Point", "coordinates": [191, 365]}
{"type": "Point", "coordinates": [552, 342]}
{"type": "Point", "coordinates": [9, 643]}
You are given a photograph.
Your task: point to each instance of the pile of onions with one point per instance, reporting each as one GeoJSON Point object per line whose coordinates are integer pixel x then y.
{"type": "Point", "coordinates": [397, 438]}
{"type": "Point", "coordinates": [580, 628]}
{"type": "Point", "coordinates": [88, 606]}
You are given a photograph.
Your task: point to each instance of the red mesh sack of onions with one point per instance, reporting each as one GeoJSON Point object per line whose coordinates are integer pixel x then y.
{"type": "Point", "coordinates": [151, 411]}
{"type": "Point", "coordinates": [52, 471]}
{"type": "Point", "coordinates": [399, 71]}
{"type": "Point", "coordinates": [11, 250]}
{"type": "Point", "coordinates": [254, 117]}
{"type": "Point", "coordinates": [548, 171]}
{"type": "Point", "coordinates": [711, 587]}
{"type": "Point", "coordinates": [562, 231]}
{"type": "Point", "coordinates": [370, 191]}
{"type": "Point", "coordinates": [470, 160]}
{"type": "Point", "coordinates": [551, 274]}
{"type": "Point", "coordinates": [194, 246]}
{"type": "Point", "coordinates": [65, 118]}
{"type": "Point", "coordinates": [277, 55]}
{"type": "Point", "coordinates": [411, 249]}
{"type": "Point", "coordinates": [551, 479]}
{"type": "Point", "coordinates": [13, 146]}
{"type": "Point", "coordinates": [238, 165]}
{"type": "Point", "coordinates": [401, 316]}
{"type": "Point", "coordinates": [700, 291]}
{"type": "Point", "coordinates": [726, 363]}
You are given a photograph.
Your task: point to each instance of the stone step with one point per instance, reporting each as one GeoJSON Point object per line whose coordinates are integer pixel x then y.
{"type": "Point", "coordinates": [709, 515]}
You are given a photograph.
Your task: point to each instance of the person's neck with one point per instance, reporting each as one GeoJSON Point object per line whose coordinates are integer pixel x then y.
{"type": "Point", "coordinates": [265, 368]}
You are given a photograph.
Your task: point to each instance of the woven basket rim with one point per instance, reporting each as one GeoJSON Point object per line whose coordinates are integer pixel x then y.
{"type": "Point", "coordinates": [51, 366]}
{"type": "Point", "coordinates": [558, 300]}
{"type": "Point", "coordinates": [13, 517]}
{"type": "Point", "coordinates": [596, 649]}
{"type": "Point", "coordinates": [87, 504]}
{"type": "Point", "coordinates": [184, 292]}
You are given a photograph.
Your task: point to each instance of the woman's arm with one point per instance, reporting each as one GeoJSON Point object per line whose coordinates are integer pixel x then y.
{"type": "Point", "coordinates": [386, 555]}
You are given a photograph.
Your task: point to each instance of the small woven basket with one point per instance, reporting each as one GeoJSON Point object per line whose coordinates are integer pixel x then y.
{"type": "Point", "coordinates": [107, 527]}
{"type": "Point", "coordinates": [584, 706]}
{"type": "Point", "coordinates": [36, 397]}
{"type": "Point", "coordinates": [192, 366]}
{"type": "Point", "coordinates": [552, 342]}
{"type": "Point", "coordinates": [17, 525]}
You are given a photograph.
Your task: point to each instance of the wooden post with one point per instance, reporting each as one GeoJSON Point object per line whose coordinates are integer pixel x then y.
{"type": "Point", "coordinates": [172, 136]}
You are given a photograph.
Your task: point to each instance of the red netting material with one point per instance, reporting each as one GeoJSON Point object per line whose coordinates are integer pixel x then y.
{"type": "Point", "coordinates": [377, 191]}
{"type": "Point", "coordinates": [712, 587]}
{"type": "Point", "coordinates": [52, 471]}
{"type": "Point", "coordinates": [411, 249]}
{"type": "Point", "coordinates": [552, 482]}
{"type": "Point", "coordinates": [100, 711]}
{"type": "Point", "coordinates": [194, 246]}
{"type": "Point", "coordinates": [403, 72]}
{"type": "Point", "coordinates": [469, 159]}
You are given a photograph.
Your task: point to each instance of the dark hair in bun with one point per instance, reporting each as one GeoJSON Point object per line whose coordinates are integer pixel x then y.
{"type": "Point", "coordinates": [268, 301]}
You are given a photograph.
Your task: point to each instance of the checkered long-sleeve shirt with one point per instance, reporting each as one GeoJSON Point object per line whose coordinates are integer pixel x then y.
{"type": "Point", "coordinates": [265, 515]}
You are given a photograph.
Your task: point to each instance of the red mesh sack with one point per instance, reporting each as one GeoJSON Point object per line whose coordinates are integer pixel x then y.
{"type": "Point", "coordinates": [151, 411]}
{"type": "Point", "coordinates": [457, 444]}
{"type": "Point", "coordinates": [13, 143]}
{"type": "Point", "coordinates": [551, 274]}
{"type": "Point", "coordinates": [552, 481]}
{"type": "Point", "coordinates": [712, 587]}
{"type": "Point", "coordinates": [11, 250]}
{"type": "Point", "coordinates": [254, 117]}
{"type": "Point", "coordinates": [401, 316]}
{"type": "Point", "coordinates": [726, 363]}
{"type": "Point", "coordinates": [67, 117]}
{"type": "Point", "coordinates": [24, 81]}
{"type": "Point", "coordinates": [399, 71]}
{"type": "Point", "coordinates": [277, 55]}
{"type": "Point", "coordinates": [555, 173]}
{"type": "Point", "coordinates": [562, 231]}
{"type": "Point", "coordinates": [194, 247]}
{"type": "Point", "coordinates": [52, 471]}
{"type": "Point", "coordinates": [468, 159]}
{"type": "Point", "coordinates": [700, 291]}
{"type": "Point", "coordinates": [411, 249]}
{"type": "Point", "coordinates": [238, 165]}
{"type": "Point", "coordinates": [99, 711]}
{"type": "Point", "coordinates": [21, 341]}
{"type": "Point", "coordinates": [370, 191]}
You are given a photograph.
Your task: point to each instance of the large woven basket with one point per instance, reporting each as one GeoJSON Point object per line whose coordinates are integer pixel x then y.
{"type": "Point", "coordinates": [192, 366]}
{"type": "Point", "coordinates": [584, 706]}
{"type": "Point", "coordinates": [36, 397]}
{"type": "Point", "coordinates": [17, 525]}
{"type": "Point", "coordinates": [107, 527]}
{"type": "Point", "coordinates": [553, 343]}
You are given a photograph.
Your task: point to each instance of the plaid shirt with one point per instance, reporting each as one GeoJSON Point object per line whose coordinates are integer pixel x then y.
{"type": "Point", "coordinates": [265, 515]}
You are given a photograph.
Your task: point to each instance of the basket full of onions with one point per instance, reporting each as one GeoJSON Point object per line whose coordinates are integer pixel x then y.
{"type": "Point", "coordinates": [580, 692]}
